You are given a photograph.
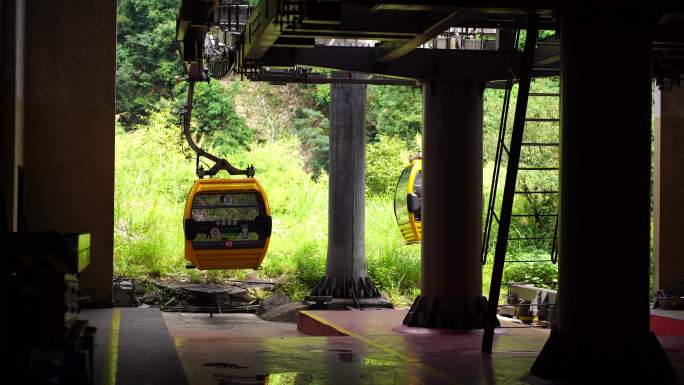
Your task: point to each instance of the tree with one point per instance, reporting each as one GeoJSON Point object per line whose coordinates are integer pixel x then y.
{"type": "Point", "coordinates": [385, 160]}
{"type": "Point", "coordinates": [215, 122]}
{"type": "Point", "coordinates": [147, 62]}
{"type": "Point", "coordinates": [394, 111]}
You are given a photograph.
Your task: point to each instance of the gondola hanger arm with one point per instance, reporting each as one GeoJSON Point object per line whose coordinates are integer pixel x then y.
{"type": "Point", "coordinates": [219, 163]}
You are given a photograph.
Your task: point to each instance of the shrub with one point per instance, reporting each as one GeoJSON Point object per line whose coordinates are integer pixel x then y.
{"type": "Point", "coordinates": [394, 111]}
{"type": "Point", "coordinates": [385, 160]}
{"type": "Point", "coordinates": [540, 274]}
{"type": "Point", "coordinates": [312, 128]}
{"type": "Point", "coordinates": [215, 122]}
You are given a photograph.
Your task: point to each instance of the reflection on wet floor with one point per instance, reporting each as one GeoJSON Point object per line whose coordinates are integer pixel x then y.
{"type": "Point", "coordinates": [261, 352]}
{"type": "Point", "coordinates": [218, 352]}
{"type": "Point", "coordinates": [376, 362]}
{"type": "Point", "coordinates": [296, 378]}
{"type": "Point", "coordinates": [290, 379]}
{"type": "Point", "coordinates": [194, 349]}
{"type": "Point", "coordinates": [245, 350]}
{"type": "Point", "coordinates": [225, 365]}
{"type": "Point", "coordinates": [259, 379]}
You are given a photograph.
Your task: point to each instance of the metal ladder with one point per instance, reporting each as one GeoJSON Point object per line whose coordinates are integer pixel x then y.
{"type": "Point", "coordinates": [520, 146]}
{"type": "Point", "coordinates": [543, 221]}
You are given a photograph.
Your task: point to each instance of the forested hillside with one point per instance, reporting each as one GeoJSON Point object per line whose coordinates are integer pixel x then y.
{"type": "Point", "coordinates": [283, 131]}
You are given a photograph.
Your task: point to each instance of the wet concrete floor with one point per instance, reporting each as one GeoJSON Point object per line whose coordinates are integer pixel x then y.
{"type": "Point", "coordinates": [229, 349]}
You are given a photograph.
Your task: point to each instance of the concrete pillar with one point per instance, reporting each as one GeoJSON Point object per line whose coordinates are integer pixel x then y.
{"type": "Point", "coordinates": [604, 206]}
{"type": "Point", "coordinates": [12, 34]}
{"type": "Point", "coordinates": [451, 294]}
{"type": "Point", "coordinates": [346, 274]}
{"type": "Point", "coordinates": [669, 191]}
{"type": "Point", "coordinates": [69, 127]}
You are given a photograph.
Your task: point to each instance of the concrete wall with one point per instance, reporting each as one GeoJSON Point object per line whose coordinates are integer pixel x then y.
{"type": "Point", "coordinates": [12, 30]}
{"type": "Point", "coordinates": [669, 190]}
{"type": "Point", "coordinates": [19, 100]}
{"type": "Point", "coordinates": [70, 70]}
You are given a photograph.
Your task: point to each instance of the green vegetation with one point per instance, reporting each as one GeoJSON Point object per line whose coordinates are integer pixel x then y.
{"type": "Point", "coordinates": [385, 159]}
{"type": "Point", "coordinates": [154, 175]}
{"type": "Point", "coordinates": [542, 274]}
{"type": "Point", "coordinates": [155, 171]}
{"type": "Point", "coordinates": [395, 111]}
{"type": "Point", "coordinates": [283, 131]}
{"type": "Point", "coordinates": [146, 63]}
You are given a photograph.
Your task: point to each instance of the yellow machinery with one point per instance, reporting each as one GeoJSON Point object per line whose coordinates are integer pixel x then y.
{"type": "Point", "coordinates": [227, 222]}
{"type": "Point", "coordinates": [407, 201]}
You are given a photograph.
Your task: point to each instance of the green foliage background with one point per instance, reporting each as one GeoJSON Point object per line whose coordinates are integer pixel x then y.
{"type": "Point", "coordinates": [153, 176]}
{"type": "Point", "coordinates": [146, 56]}
{"type": "Point", "coordinates": [283, 131]}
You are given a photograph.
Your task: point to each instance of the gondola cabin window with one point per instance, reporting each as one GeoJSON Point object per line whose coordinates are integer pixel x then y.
{"type": "Point", "coordinates": [400, 210]}
{"type": "Point", "coordinates": [226, 217]}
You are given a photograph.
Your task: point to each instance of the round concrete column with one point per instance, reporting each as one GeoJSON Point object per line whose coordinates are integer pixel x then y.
{"type": "Point", "coordinates": [346, 274]}
{"type": "Point", "coordinates": [451, 208]}
{"type": "Point", "coordinates": [603, 320]}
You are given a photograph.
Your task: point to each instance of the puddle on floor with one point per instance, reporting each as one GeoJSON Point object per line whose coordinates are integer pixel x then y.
{"type": "Point", "coordinates": [287, 378]}
{"type": "Point", "coordinates": [377, 362]}
{"type": "Point", "coordinates": [291, 378]}
{"type": "Point", "coordinates": [259, 379]}
{"type": "Point", "coordinates": [225, 365]}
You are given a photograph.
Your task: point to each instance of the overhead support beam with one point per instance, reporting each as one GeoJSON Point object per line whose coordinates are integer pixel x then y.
{"type": "Point", "coordinates": [304, 42]}
{"type": "Point", "coordinates": [669, 31]}
{"type": "Point", "coordinates": [498, 5]}
{"type": "Point", "coordinates": [410, 7]}
{"type": "Point", "coordinates": [343, 35]}
{"type": "Point", "coordinates": [261, 31]}
{"type": "Point", "coordinates": [423, 64]}
{"type": "Point", "coordinates": [547, 53]}
{"type": "Point", "coordinates": [325, 12]}
{"type": "Point", "coordinates": [402, 25]}
{"type": "Point", "coordinates": [390, 51]}
{"type": "Point", "coordinates": [282, 77]}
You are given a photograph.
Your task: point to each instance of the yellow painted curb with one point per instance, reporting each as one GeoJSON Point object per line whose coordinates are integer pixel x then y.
{"type": "Point", "coordinates": [427, 369]}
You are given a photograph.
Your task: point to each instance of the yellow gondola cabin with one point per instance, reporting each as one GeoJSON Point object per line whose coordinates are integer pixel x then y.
{"type": "Point", "coordinates": [227, 224]}
{"type": "Point", "coordinates": [407, 201]}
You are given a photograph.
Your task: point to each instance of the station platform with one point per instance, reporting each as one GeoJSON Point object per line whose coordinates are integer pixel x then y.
{"type": "Point", "coordinates": [667, 322]}
{"type": "Point", "coordinates": [145, 346]}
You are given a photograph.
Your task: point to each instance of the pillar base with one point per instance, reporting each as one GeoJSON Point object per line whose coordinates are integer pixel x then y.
{"type": "Point", "coordinates": [346, 287]}
{"type": "Point", "coordinates": [604, 359]}
{"type": "Point", "coordinates": [432, 312]}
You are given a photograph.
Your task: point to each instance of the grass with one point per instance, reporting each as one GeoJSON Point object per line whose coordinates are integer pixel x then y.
{"type": "Point", "coordinates": [152, 179]}
{"type": "Point", "coordinates": [153, 176]}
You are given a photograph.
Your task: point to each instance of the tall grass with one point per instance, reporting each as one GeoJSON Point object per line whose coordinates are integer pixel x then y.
{"type": "Point", "coordinates": [153, 177]}
{"type": "Point", "coordinates": [154, 174]}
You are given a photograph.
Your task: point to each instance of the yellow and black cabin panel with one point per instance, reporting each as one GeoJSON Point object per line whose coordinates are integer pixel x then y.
{"type": "Point", "coordinates": [227, 224]}
{"type": "Point", "coordinates": [407, 201]}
